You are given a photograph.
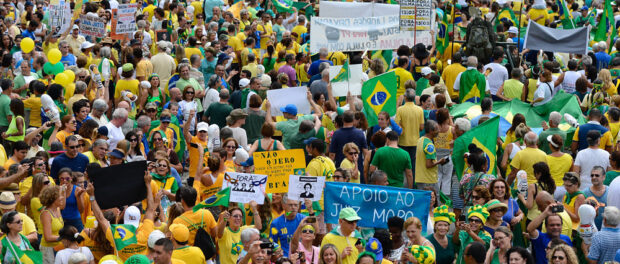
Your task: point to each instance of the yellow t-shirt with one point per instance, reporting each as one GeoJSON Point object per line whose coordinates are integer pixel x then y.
{"type": "Point", "coordinates": [142, 234]}
{"type": "Point", "coordinates": [299, 29]}
{"type": "Point", "coordinates": [341, 243]}
{"type": "Point", "coordinates": [449, 76]}
{"type": "Point", "coordinates": [229, 245]}
{"type": "Point", "coordinates": [194, 220]}
{"type": "Point", "coordinates": [525, 160]}
{"type": "Point", "coordinates": [425, 151]}
{"type": "Point", "coordinates": [193, 153]}
{"type": "Point", "coordinates": [346, 164]}
{"type": "Point", "coordinates": [264, 29]}
{"type": "Point", "coordinates": [189, 51]}
{"type": "Point", "coordinates": [189, 254]}
{"type": "Point", "coordinates": [302, 75]}
{"type": "Point", "coordinates": [534, 13]}
{"type": "Point", "coordinates": [245, 52]}
{"type": "Point", "coordinates": [34, 104]}
{"type": "Point", "coordinates": [35, 208]}
{"type": "Point", "coordinates": [293, 50]}
{"type": "Point", "coordinates": [49, 46]}
{"type": "Point", "coordinates": [28, 226]}
{"type": "Point", "coordinates": [129, 85]}
{"type": "Point", "coordinates": [409, 117]}
{"type": "Point", "coordinates": [321, 166]}
{"type": "Point", "coordinates": [61, 136]}
{"type": "Point", "coordinates": [337, 57]}
{"type": "Point", "coordinates": [402, 76]}
{"type": "Point", "coordinates": [144, 69]}
{"type": "Point", "coordinates": [558, 166]}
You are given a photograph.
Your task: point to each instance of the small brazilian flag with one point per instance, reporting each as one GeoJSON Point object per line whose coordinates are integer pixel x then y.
{"type": "Point", "coordinates": [344, 73]}
{"type": "Point", "coordinates": [283, 6]}
{"type": "Point", "coordinates": [124, 235]}
{"type": "Point", "coordinates": [220, 198]}
{"type": "Point", "coordinates": [442, 32]}
{"type": "Point", "coordinates": [379, 94]}
{"type": "Point", "coordinates": [485, 137]}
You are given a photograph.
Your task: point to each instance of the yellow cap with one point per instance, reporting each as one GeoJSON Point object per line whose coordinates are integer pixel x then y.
{"type": "Point", "coordinates": [180, 232]}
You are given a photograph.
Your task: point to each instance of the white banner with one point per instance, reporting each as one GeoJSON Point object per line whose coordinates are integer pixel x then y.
{"type": "Point", "coordinates": [362, 33]}
{"type": "Point", "coordinates": [92, 26]}
{"type": "Point", "coordinates": [354, 84]}
{"type": "Point", "coordinates": [416, 15]}
{"type": "Point", "coordinates": [245, 187]}
{"type": "Point", "coordinates": [126, 22]}
{"type": "Point", "coordinates": [59, 16]}
{"type": "Point", "coordinates": [356, 9]}
{"type": "Point", "coordinates": [306, 187]}
{"type": "Point", "coordinates": [294, 95]}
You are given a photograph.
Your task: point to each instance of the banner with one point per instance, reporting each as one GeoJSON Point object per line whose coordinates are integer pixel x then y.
{"type": "Point", "coordinates": [362, 33]}
{"type": "Point", "coordinates": [92, 26]}
{"type": "Point", "coordinates": [59, 16]}
{"type": "Point", "coordinates": [123, 20]}
{"type": "Point", "coordinates": [306, 187]}
{"type": "Point", "coordinates": [356, 9]}
{"type": "Point", "coordinates": [557, 40]}
{"type": "Point", "coordinates": [379, 203]}
{"type": "Point", "coordinates": [294, 95]}
{"type": "Point", "coordinates": [245, 187]}
{"type": "Point", "coordinates": [110, 193]}
{"type": "Point", "coordinates": [354, 84]}
{"type": "Point", "coordinates": [416, 15]}
{"type": "Point", "coordinates": [279, 165]}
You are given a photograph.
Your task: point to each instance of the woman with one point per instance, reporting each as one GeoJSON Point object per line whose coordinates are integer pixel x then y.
{"type": "Point", "coordinates": [306, 232]}
{"type": "Point", "coordinates": [17, 127]}
{"type": "Point", "coordinates": [366, 257]}
{"type": "Point", "coordinates": [421, 59]}
{"type": "Point", "coordinates": [497, 210]}
{"type": "Point", "coordinates": [74, 203]}
{"type": "Point", "coordinates": [11, 225]}
{"type": "Point", "coordinates": [573, 198]}
{"type": "Point", "coordinates": [155, 94]}
{"type": "Point", "coordinates": [376, 67]}
{"type": "Point", "coordinates": [95, 238]}
{"type": "Point", "coordinates": [229, 236]}
{"type": "Point", "coordinates": [500, 191]}
{"type": "Point", "coordinates": [399, 244]}
{"type": "Point", "coordinates": [235, 121]}
{"type": "Point", "coordinates": [269, 60]}
{"type": "Point", "coordinates": [472, 230]}
{"type": "Point", "coordinates": [255, 119]}
{"type": "Point", "coordinates": [478, 163]}
{"type": "Point", "coordinates": [413, 229]}
{"type": "Point", "coordinates": [165, 182]}
{"type": "Point", "coordinates": [608, 84]}
{"type": "Point", "coordinates": [510, 134]}
{"type": "Point", "coordinates": [188, 104]}
{"type": "Point", "coordinates": [128, 82]}
{"type": "Point", "coordinates": [329, 255]}
{"type": "Point", "coordinates": [444, 142]}
{"type": "Point", "coordinates": [134, 146]}
{"type": "Point", "coordinates": [5, 67]}
{"type": "Point", "coordinates": [598, 191]}
{"type": "Point", "coordinates": [351, 153]}
{"type": "Point", "coordinates": [158, 144]}
{"type": "Point", "coordinates": [519, 255]}
{"type": "Point", "coordinates": [514, 147]}
{"type": "Point", "coordinates": [502, 242]}
{"type": "Point", "coordinates": [52, 198]}
{"type": "Point", "coordinates": [480, 195]}
{"type": "Point", "coordinates": [543, 183]}
{"type": "Point", "coordinates": [71, 239]}
{"type": "Point", "coordinates": [562, 254]}
{"type": "Point", "coordinates": [67, 128]}
{"type": "Point", "coordinates": [230, 145]}
{"type": "Point", "coordinates": [39, 181]}
{"type": "Point", "coordinates": [445, 250]}
{"type": "Point", "coordinates": [385, 124]}
{"type": "Point", "coordinates": [88, 129]}
{"type": "Point", "coordinates": [558, 161]}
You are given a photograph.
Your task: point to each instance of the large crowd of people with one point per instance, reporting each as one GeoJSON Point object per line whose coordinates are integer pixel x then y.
{"type": "Point", "coordinates": [186, 93]}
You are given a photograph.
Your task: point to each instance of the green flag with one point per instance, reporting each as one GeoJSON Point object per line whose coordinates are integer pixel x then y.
{"type": "Point", "coordinates": [285, 6]}
{"type": "Point", "coordinates": [124, 235]}
{"type": "Point", "coordinates": [306, 8]}
{"type": "Point", "coordinates": [485, 137]}
{"type": "Point", "coordinates": [506, 14]}
{"type": "Point", "coordinates": [379, 94]}
{"type": "Point", "coordinates": [344, 74]}
{"type": "Point", "coordinates": [565, 15]}
{"type": "Point", "coordinates": [384, 55]}
{"type": "Point", "coordinates": [606, 24]}
{"type": "Point", "coordinates": [220, 198]}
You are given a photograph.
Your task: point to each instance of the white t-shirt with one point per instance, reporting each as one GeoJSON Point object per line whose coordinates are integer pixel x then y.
{"type": "Point", "coordinates": [543, 91]}
{"type": "Point", "coordinates": [497, 77]}
{"type": "Point", "coordinates": [62, 257]}
{"type": "Point", "coordinates": [115, 134]}
{"type": "Point", "coordinates": [187, 107]}
{"type": "Point", "coordinates": [570, 78]}
{"type": "Point", "coordinates": [588, 158]}
{"type": "Point", "coordinates": [613, 196]}
{"type": "Point", "coordinates": [211, 96]}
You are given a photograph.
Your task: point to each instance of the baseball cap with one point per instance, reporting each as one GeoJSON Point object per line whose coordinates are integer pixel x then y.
{"type": "Point", "coordinates": [249, 162]}
{"type": "Point", "coordinates": [75, 27]}
{"type": "Point", "coordinates": [153, 237]}
{"type": "Point", "coordinates": [138, 259]}
{"type": "Point", "coordinates": [309, 140]}
{"type": "Point", "coordinates": [164, 119]}
{"type": "Point", "coordinates": [585, 8]}
{"type": "Point", "coordinates": [513, 30]}
{"type": "Point", "coordinates": [86, 44]}
{"type": "Point", "coordinates": [151, 105]}
{"type": "Point", "coordinates": [375, 247]}
{"type": "Point", "coordinates": [179, 232]}
{"type": "Point", "coordinates": [117, 154]}
{"type": "Point", "coordinates": [244, 82]}
{"type": "Point", "coordinates": [289, 109]}
{"type": "Point", "coordinates": [202, 126]}
{"type": "Point", "coordinates": [349, 214]}
{"type": "Point", "coordinates": [103, 131]}
{"type": "Point", "coordinates": [132, 216]}
{"type": "Point", "coordinates": [426, 71]}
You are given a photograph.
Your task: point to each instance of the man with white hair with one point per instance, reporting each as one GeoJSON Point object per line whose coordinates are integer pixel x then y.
{"type": "Point", "coordinates": [320, 86]}
{"type": "Point", "coordinates": [602, 58]}
{"type": "Point", "coordinates": [163, 63]}
{"type": "Point", "coordinates": [115, 133]}
{"type": "Point", "coordinates": [461, 126]}
{"type": "Point", "coordinates": [314, 67]}
{"type": "Point", "coordinates": [606, 243]}
{"type": "Point", "coordinates": [98, 112]}
{"type": "Point", "coordinates": [471, 84]}
{"type": "Point", "coordinates": [526, 158]}
{"type": "Point", "coordinates": [549, 130]}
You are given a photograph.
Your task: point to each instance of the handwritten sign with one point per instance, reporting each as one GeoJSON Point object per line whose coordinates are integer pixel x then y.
{"type": "Point", "coordinates": [92, 26]}
{"type": "Point", "coordinates": [245, 187]}
{"type": "Point", "coordinates": [416, 15]}
{"type": "Point", "coordinates": [60, 16]}
{"type": "Point", "coordinates": [278, 165]}
{"type": "Point", "coordinates": [379, 203]}
{"type": "Point", "coordinates": [306, 187]}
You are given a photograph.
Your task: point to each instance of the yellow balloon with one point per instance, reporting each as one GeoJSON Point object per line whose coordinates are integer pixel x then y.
{"type": "Point", "coordinates": [27, 45]}
{"type": "Point", "coordinates": [61, 79]}
{"type": "Point", "coordinates": [54, 56]}
{"type": "Point", "coordinates": [70, 74]}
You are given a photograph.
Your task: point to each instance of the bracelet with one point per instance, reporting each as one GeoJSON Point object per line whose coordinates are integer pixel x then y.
{"type": "Point", "coordinates": [92, 198]}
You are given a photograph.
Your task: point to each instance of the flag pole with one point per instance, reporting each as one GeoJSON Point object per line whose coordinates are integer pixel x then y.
{"type": "Point", "coordinates": [519, 35]}
{"type": "Point", "coordinates": [453, 37]}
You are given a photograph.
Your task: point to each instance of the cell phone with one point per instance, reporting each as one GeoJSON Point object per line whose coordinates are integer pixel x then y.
{"type": "Point", "coordinates": [311, 219]}
{"type": "Point", "coordinates": [447, 160]}
{"type": "Point", "coordinates": [462, 218]}
{"type": "Point", "coordinates": [193, 145]}
{"type": "Point", "coordinates": [265, 245]}
{"type": "Point", "coordinates": [557, 208]}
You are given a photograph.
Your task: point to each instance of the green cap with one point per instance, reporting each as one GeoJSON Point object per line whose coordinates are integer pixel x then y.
{"type": "Point", "coordinates": [127, 67]}
{"type": "Point", "coordinates": [137, 259]}
{"type": "Point", "coordinates": [349, 214]}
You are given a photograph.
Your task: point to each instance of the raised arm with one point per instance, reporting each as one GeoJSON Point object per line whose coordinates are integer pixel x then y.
{"type": "Point", "coordinates": [101, 221]}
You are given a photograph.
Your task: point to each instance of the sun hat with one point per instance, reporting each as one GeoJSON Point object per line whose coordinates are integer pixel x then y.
{"type": "Point", "coordinates": [7, 200]}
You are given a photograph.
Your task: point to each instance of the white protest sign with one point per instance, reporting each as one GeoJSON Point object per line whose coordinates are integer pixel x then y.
{"type": "Point", "coordinates": [306, 187]}
{"type": "Point", "coordinates": [295, 95]}
{"type": "Point", "coordinates": [362, 33]}
{"type": "Point", "coordinates": [126, 21]}
{"type": "Point", "coordinates": [356, 9]}
{"type": "Point", "coordinates": [245, 187]}
{"type": "Point", "coordinates": [92, 26]}
{"type": "Point", "coordinates": [354, 84]}
{"type": "Point", "coordinates": [59, 16]}
{"type": "Point", "coordinates": [416, 15]}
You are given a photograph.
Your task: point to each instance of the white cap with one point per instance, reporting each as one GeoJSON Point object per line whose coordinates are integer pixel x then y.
{"type": "Point", "coordinates": [75, 27]}
{"type": "Point", "coordinates": [153, 237]}
{"type": "Point", "coordinates": [426, 71]}
{"type": "Point", "coordinates": [86, 44]}
{"type": "Point", "coordinates": [202, 126]}
{"type": "Point", "coordinates": [241, 156]}
{"type": "Point", "coordinates": [244, 82]}
{"type": "Point", "coordinates": [132, 216]}
{"type": "Point", "coordinates": [513, 30]}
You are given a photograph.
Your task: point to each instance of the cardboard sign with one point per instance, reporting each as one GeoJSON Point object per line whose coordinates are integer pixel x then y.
{"type": "Point", "coordinates": [415, 15]}
{"type": "Point", "coordinates": [293, 95]}
{"type": "Point", "coordinates": [278, 165]}
{"type": "Point", "coordinates": [245, 187]}
{"type": "Point", "coordinates": [123, 21]}
{"type": "Point", "coordinates": [60, 16]}
{"type": "Point", "coordinates": [92, 26]}
{"type": "Point", "coordinates": [119, 185]}
{"type": "Point", "coordinates": [306, 187]}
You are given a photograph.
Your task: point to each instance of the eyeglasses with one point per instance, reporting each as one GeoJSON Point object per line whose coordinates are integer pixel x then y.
{"type": "Point", "coordinates": [235, 216]}
{"type": "Point", "coordinates": [162, 165]}
{"type": "Point", "coordinates": [557, 257]}
{"type": "Point", "coordinates": [338, 177]}
{"type": "Point", "coordinates": [354, 153]}
{"type": "Point", "coordinates": [82, 76]}
{"type": "Point", "coordinates": [475, 220]}
{"type": "Point", "coordinates": [73, 147]}
{"type": "Point", "coordinates": [158, 139]}
{"type": "Point", "coordinates": [151, 110]}
{"type": "Point", "coordinates": [231, 147]}
{"type": "Point", "coordinates": [82, 145]}
{"type": "Point", "coordinates": [595, 175]}
{"type": "Point", "coordinates": [307, 231]}
{"type": "Point", "coordinates": [133, 139]}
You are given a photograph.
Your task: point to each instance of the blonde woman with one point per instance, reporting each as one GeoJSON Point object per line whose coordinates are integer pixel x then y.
{"type": "Point", "coordinates": [608, 84]}
{"type": "Point", "coordinates": [351, 153]}
{"type": "Point", "coordinates": [413, 230]}
{"type": "Point", "coordinates": [562, 254]}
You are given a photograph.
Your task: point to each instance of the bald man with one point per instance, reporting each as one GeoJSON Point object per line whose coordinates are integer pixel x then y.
{"type": "Point", "coordinates": [545, 199]}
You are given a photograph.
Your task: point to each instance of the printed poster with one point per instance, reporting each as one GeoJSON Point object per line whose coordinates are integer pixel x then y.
{"type": "Point", "coordinates": [306, 187]}
{"type": "Point", "coordinates": [245, 187]}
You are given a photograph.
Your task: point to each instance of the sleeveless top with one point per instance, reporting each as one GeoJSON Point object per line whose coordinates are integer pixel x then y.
{"type": "Point", "coordinates": [443, 139]}
{"type": "Point", "coordinates": [155, 99]}
{"type": "Point", "coordinates": [13, 128]}
{"type": "Point", "coordinates": [57, 224]}
{"type": "Point", "coordinates": [71, 209]}
{"type": "Point", "coordinates": [515, 148]}
{"type": "Point", "coordinates": [570, 78]}
{"type": "Point", "coordinates": [274, 146]}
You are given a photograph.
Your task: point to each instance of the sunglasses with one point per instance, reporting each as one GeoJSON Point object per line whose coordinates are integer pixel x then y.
{"type": "Point", "coordinates": [354, 153]}
{"type": "Point", "coordinates": [73, 147]}
{"type": "Point", "coordinates": [350, 222]}
{"type": "Point", "coordinates": [475, 197]}
{"type": "Point", "coordinates": [151, 110]}
{"type": "Point", "coordinates": [39, 164]}
{"type": "Point", "coordinates": [46, 182]}
{"type": "Point", "coordinates": [189, 92]}
{"type": "Point", "coordinates": [18, 222]}
{"type": "Point", "coordinates": [595, 175]}
{"type": "Point", "coordinates": [307, 231]}
{"type": "Point", "coordinates": [231, 147]}
{"type": "Point", "coordinates": [557, 257]}
{"type": "Point", "coordinates": [162, 166]}
{"type": "Point", "coordinates": [475, 220]}
{"type": "Point", "coordinates": [134, 140]}
{"type": "Point", "coordinates": [158, 139]}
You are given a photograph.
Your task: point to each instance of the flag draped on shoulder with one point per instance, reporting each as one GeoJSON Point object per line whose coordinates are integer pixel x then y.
{"type": "Point", "coordinates": [283, 5]}
{"type": "Point", "coordinates": [565, 15]}
{"type": "Point", "coordinates": [484, 136]}
{"type": "Point", "coordinates": [472, 86]}
{"type": "Point", "coordinates": [220, 198]}
{"type": "Point", "coordinates": [606, 25]}
{"type": "Point", "coordinates": [442, 32]}
{"type": "Point", "coordinates": [384, 55]}
{"type": "Point", "coordinates": [506, 14]}
{"type": "Point", "coordinates": [379, 94]}
{"type": "Point", "coordinates": [124, 235]}
{"type": "Point", "coordinates": [344, 74]}
{"type": "Point", "coordinates": [30, 256]}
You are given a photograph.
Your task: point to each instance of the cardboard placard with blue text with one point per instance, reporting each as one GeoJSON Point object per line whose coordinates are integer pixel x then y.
{"type": "Point", "coordinates": [278, 165]}
{"type": "Point", "coordinates": [375, 204]}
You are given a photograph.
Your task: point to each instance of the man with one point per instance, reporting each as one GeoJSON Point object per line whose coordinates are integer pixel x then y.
{"type": "Point", "coordinates": [411, 118]}
{"type": "Point", "coordinates": [540, 240]}
{"type": "Point", "coordinates": [475, 253]}
{"type": "Point", "coordinates": [183, 251]}
{"type": "Point", "coordinates": [606, 242]}
{"type": "Point", "coordinates": [319, 165]}
{"type": "Point", "coordinates": [402, 74]}
{"type": "Point", "coordinates": [579, 138]}
{"type": "Point", "coordinates": [471, 84]}
{"type": "Point", "coordinates": [251, 65]}
{"type": "Point", "coordinates": [378, 177]}
{"type": "Point", "coordinates": [513, 33]}
{"type": "Point", "coordinates": [163, 63]}
{"type": "Point", "coordinates": [218, 111]}
{"type": "Point", "coordinates": [20, 149]}
{"type": "Point", "coordinates": [71, 159]}
{"type": "Point", "coordinates": [543, 140]}
{"type": "Point", "coordinates": [589, 158]}
{"type": "Point", "coordinates": [289, 70]}
{"type": "Point", "coordinates": [345, 236]}
{"type": "Point", "coordinates": [8, 203]}
{"type": "Point", "coordinates": [67, 59]}
{"type": "Point", "coordinates": [5, 100]}
{"type": "Point", "coordinates": [426, 158]}
{"type": "Point", "coordinates": [75, 40]}
{"type": "Point", "coordinates": [568, 79]}
{"type": "Point", "coordinates": [347, 134]}
{"type": "Point", "coordinates": [526, 158]}
{"type": "Point", "coordinates": [194, 70]}
{"type": "Point", "coordinates": [115, 133]}
{"type": "Point", "coordinates": [162, 252]}
{"type": "Point", "coordinates": [193, 220]}
{"type": "Point", "coordinates": [487, 111]}
{"type": "Point", "coordinates": [200, 139]}
{"type": "Point", "coordinates": [320, 86]}
{"type": "Point", "coordinates": [144, 124]}
{"type": "Point", "coordinates": [512, 88]}
{"type": "Point", "coordinates": [282, 228]}
{"type": "Point", "coordinates": [314, 66]}
{"type": "Point", "coordinates": [394, 161]}
{"type": "Point", "coordinates": [99, 108]}
{"type": "Point", "coordinates": [602, 58]}
{"type": "Point", "coordinates": [98, 152]}
{"type": "Point", "coordinates": [544, 200]}
{"type": "Point", "coordinates": [290, 127]}
{"type": "Point", "coordinates": [78, 94]}
{"type": "Point", "coordinates": [255, 253]}
{"type": "Point", "coordinates": [144, 67]}
{"type": "Point", "coordinates": [450, 73]}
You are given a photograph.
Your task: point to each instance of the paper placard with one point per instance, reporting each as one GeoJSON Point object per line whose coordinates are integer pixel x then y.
{"type": "Point", "coordinates": [279, 165]}
{"type": "Point", "coordinates": [354, 84]}
{"type": "Point", "coordinates": [245, 187]}
{"type": "Point", "coordinates": [416, 15]}
{"type": "Point", "coordinates": [92, 26]}
{"type": "Point", "coordinates": [293, 95]}
{"type": "Point", "coordinates": [306, 187]}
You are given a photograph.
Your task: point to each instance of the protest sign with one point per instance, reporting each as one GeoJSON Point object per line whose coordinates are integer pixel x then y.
{"type": "Point", "coordinates": [305, 187]}
{"type": "Point", "coordinates": [92, 26]}
{"type": "Point", "coordinates": [362, 33]}
{"type": "Point", "coordinates": [379, 203]}
{"type": "Point", "coordinates": [356, 9]}
{"type": "Point", "coordinates": [245, 187]}
{"type": "Point", "coordinates": [354, 84]}
{"type": "Point", "coordinates": [295, 95]}
{"type": "Point", "coordinates": [123, 20]}
{"type": "Point", "coordinates": [416, 15]}
{"type": "Point", "coordinates": [59, 16]}
{"type": "Point", "coordinates": [279, 165]}
{"type": "Point", "coordinates": [110, 193]}
{"type": "Point", "coordinates": [557, 40]}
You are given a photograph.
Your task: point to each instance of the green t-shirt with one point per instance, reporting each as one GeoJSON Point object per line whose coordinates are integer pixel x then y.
{"type": "Point", "coordinates": [610, 176]}
{"type": "Point", "coordinates": [290, 128]}
{"type": "Point", "coordinates": [217, 113]}
{"type": "Point", "coordinates": [5, 110]}
{"type": "Point", "coordinates": [466, 240]}
{"type": "Point", "coordinates": [543, 144]}
{"type": "Point", "coordinates": [393, 161]}
{"type": "Point", "coordinates": [253, 124]}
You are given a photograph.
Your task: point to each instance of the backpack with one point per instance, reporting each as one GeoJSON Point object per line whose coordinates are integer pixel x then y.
{"type": "Point", "coordinates": [202, 239]}
{"type": "Point", "coordinates": [480, 40]}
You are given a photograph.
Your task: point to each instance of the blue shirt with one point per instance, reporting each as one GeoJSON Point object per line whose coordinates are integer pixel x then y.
{"type": "Point", "coordinates": [314, 67]}
{"type": "Point", "coordinates": [75, 164]}
{"type": "Point", "coordinates": [68, 60]}
{"type": "Point", "coordinates": [540, 244]}
{"type": "Point", "coordinates": [605, 245]}
{"type": "Point", "coordinates": [602, 60]}
{"type": "Point", "coordinates": [282, 230]}
{"type": "Point", "coordinates": [474, 122]}
{"type": "Point", "coordinates": [28, 34]}
{"type": "Point", "coordinates": [598, 220]}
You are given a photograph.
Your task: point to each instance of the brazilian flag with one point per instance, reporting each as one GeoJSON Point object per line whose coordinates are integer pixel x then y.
{"type": "Point", "coordinates": [344, 74]}
{"type": "Point", "coordinates": [506, 14]}
{"type": "Point", "coordinates": [220, 198]}
{"type": "Point", "coordinates": [383, 55]}
{"type": "Point", "coordinates": [25, 256]}
{"type": "Point", "coordinates": [485, 137]}
{"type": "Point", "coordinates": [379, 94]}
{"type": "Point", "coordinates": [607, 24]}
{"type": "Point", "coordinates": [565, 15]}
{"type": "Point", "coordinates": [285, 6]}
{"type": "Point", "coordinates": [124, 235]}
{"type": "Point", "coordinates": [472, 86]}
{"type": "Point", "coordinates": [442, 32]}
